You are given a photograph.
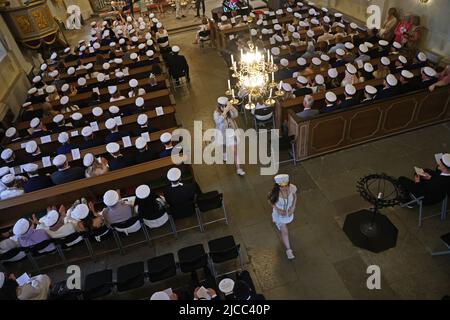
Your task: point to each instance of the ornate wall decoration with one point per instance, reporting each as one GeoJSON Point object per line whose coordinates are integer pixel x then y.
{"type": "Point", "coordinates": [24, 24]}
{"type": "Point", "coordinates": [40, 19]}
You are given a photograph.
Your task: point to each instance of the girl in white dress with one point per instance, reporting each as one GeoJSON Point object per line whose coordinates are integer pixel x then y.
{"type": "Point", "coordinates": [283, 199]}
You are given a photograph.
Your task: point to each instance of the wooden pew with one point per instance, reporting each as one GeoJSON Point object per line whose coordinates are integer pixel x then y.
{"type": "Point", "coordinates": [13, 209]}
{"type": "Point", "coordinates": [151, 99]}
{"type": "Point", "coordinates": [164, 121]}
{"type": "Point", "coordinates": [360, 124]}
{"type": "Point", "coordinates": [154, 144]}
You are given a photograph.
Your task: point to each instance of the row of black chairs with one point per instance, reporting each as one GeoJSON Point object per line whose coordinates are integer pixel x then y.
{"type": "Point", "coordinates": [204, 203]}
{"type": "Point", "coordinates": [161, 268]}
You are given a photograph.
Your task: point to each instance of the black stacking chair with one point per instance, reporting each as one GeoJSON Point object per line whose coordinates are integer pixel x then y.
{"type": "Point", "coordinates": [130, 276]}
{"type": "Point", "coordinates": [161, 267]}
{"type": "Point", "coordinates": [67, 243]}
{"type": "Point", "coordinates": [59, 291]}
{"type": "Point", "coordinates": [211, 201]}
{"type": "Point", "coordinates": [132, 225]}
{"type": "Point", "coordinates": [186, 210]}
{"type": "Point", "coordinates": [192, 258]}
{"type": "Point", "coordinates": [98, 284]}
{"type": "Point", "coordinates": [222, 250]}
{"type": "Point", "coordinates": [11, 256]}
{"type": "Point", "coordinates": [33, 252]}
{"type": "Point", "coordinates": [101, 234]}
{"type": "Point", "coordinates": [446, 239]}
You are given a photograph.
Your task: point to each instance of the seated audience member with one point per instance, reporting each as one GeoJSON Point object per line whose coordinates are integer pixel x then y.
{"type": "Point", "coordinates": [65, 172]}
{"type": "Point", "coordinates": [369, 93]}
{"type": "Point", "coordinates": [177, 65]}
{"type": "Point", "coordinates": [363, 56]}
{"type": "Point", "coordinates": [389, 25]}
{"type": "Point", "coordinates": [307, 113]}
{"type": "Point", "coordinates": [432, 185]}
{"type": "Point", "coordinates": [407, 83]}
{"type": "Point", "coordinates": [12, 190]}
{"type": "Point", "coordinates": [115, 94]}
{"type": "Point", "coordinates": [419, 61]}
{"type": "Point", "coordinates": [333, 79]}
{"type": "Point", "coordinates": [443, 79]}
{"type": "Point", "coordinates": [283, 72]}
{"type": "Point", "coordinates": [331, 103]}
{"type": "Point", "coordinates": [318, 84]}
{"type": "Point", "coordinates": [144, 125]}
{"type": "Point", "coordinates": [54, 223]}
{"type": "Point", "coordinates": [115, 134]}
{"type": "Point", "coordinates": [302, 90]}
{"type": "Point", "coordinates": [86, 218]}
{"type": "Point", "coordinates": [94, 166]}
{"type": "Point", "coordinates": [28, 235]}
{"type": "Point", "coordinates": [33, 152]}
{"type": "Point", "coordinates": [179, 193]}
{"type": "Point", "coordinates": [166, 139]}
{"type": "Point", "coordinates": [414, 35]}
{"type": "Point", "coordinates": [327, 35]}
{"type": "Point", "coordinates": [208, 294]}
{"type": "Point", "coordinates": [428, 77]}
{"type": "Point", "coordinates": [150, 206]}
{"type": "Point", "coordinates": [117, 160]}
{"type": "Point", "coordinates": [7, 243]}
{"type": "Point", "coordinates": [390, 87]}
{"type": "Point", "coordinates": [65, 146]}
{"type": "Point", "coordinates": [367, 73]}
{"type": "Point", "coordinates": [89, 139]}
{"type": "Point", "coordinates": [35, 181]}
{"type": "Point", "coordinates": [38, 129]}
{"type": "Point", "coordinates": [243, 292]}
{"type": "Point", "coordinates": [60, 124]}
{"type": "Point", "coordinates": [37, 288]}
{"type": "Point", "coordinates": [116, 211]}
{"type": "Point", "coordinates": [350, 99]}
{"type": "Point", "coordinates": [340, 61]}
{"type": "Point", "coordinates": [12, 135]}
{"type": "Point", "coordinates": [144, 153]}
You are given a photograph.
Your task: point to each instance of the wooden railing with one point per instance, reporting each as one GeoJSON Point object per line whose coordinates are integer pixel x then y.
{"type": "Point", "coordinates": [382, 118]}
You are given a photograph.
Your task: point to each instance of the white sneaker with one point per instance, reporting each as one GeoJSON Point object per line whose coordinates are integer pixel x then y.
{"type": "Point", "coordinates": [241, 172]}
{"type": "Point", "coordinates": [290, 254]}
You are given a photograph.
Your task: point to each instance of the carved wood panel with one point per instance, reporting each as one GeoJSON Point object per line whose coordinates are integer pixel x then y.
{"type": "Point", "coordinates": [327, 134]}
{"type": "Point", "coordinates": [399, 115]}
{"type": "Point", "coordinates": [364, 124]}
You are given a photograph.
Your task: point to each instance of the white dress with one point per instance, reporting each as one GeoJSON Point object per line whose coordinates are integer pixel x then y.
{"type": "Point", "coordinates": [284, 204]}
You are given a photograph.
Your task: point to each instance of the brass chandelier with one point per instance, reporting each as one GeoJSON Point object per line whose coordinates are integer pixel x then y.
{"type": "Point", "coordinates": [254, 74]}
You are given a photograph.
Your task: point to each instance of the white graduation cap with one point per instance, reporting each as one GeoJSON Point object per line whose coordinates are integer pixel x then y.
{"type": "Point", "coordinates": [174, 174]}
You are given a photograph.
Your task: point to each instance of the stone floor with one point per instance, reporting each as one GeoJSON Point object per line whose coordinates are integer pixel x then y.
{"type": "Point", "coordinates": [327, 265]}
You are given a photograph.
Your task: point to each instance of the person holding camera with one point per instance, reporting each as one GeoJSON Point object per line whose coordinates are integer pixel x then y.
{"type": "Point", "coordinates": [224, 116]}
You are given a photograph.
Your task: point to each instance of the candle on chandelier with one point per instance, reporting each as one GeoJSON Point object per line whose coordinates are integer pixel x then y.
{"type": "Point", "coordinates": [232, 60]}
{"type": "Point", "coordinates": [249, 98]}
{"type": "Point", "coordinates": [270, 96]}
{"type": "Point", "coordinates": [273, 77]}
{"type": "Point", "coordinates": [280, 85]}
{"type": "Point", "coordinates": [229, 84]}
{"type": "Point", "coordinates": [271, 60]}
{"type": "Point", "coordinates": [232, 93]}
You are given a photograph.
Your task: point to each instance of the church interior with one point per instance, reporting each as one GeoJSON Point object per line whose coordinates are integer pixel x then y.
{"type": "Point", "coordinates": [110, 189]}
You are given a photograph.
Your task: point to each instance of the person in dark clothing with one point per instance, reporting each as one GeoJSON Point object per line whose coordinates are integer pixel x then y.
{"type": "Point", "coordinates": [150, 206]}
{"type": "Point", "coordinates": [302, 90]}
{"type": "Point", "coordinates": [144, 153]}
{"type": "Point", "coordinates": [390, 88]}
{"type": "Point", "coordinates": [432, 185]}
{"type": "Point", "coordinates": [284, 71]}
{"type": "Point", "coordinates": [179, 193]}
{"type": "Point", "coordinates": [407, 82]}
{"type": "Point", "coordinates": [428, 77]}
{"type": "Point", "coordinates": [144, 126]}
{"type": "Point", "coordinates": [35, 181]}
{"type": "Point", "coordinates": [242, 292]}
{"type": "Point", "coordinates": [350, 99]}
{"type": "Point", "coordinates": [90, 140]}
{"type": "Point", "coordinates": [117, 160]}
{"type": "Point", "coordinates": [178, 65]}
{"type": "Point", "coordinates": [114, 134]}
{"type": "Point", "coordinates": [331, 103]}
{"type": "Point", "coordinates": [65, 173]}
